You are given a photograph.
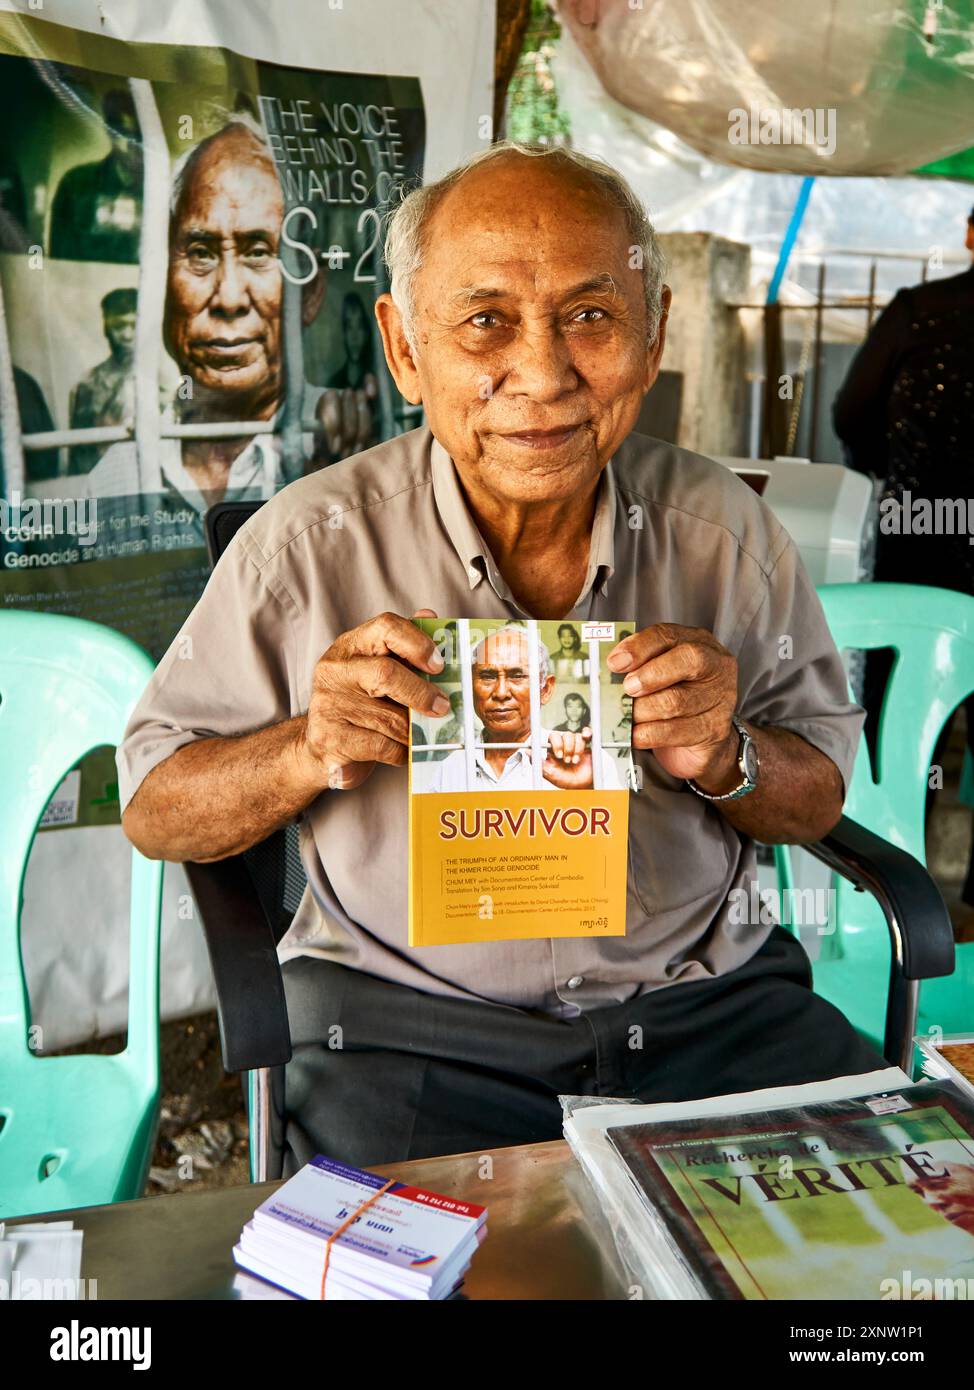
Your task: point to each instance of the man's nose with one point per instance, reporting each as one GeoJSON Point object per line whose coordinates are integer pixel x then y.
{"type": "Point", "coordinates": [230, 293]}
{"type": "Point", "coordinates": [541, 365]}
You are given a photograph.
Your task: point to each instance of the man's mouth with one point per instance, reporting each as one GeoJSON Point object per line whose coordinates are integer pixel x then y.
{"type": "Point", "coordinates": [543, 439]}
{"type": "Point", "coordinates": [228, 347]}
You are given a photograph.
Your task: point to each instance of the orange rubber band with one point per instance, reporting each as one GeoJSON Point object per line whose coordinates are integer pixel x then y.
{"type": "Point", "coordinates": [345, 1225]}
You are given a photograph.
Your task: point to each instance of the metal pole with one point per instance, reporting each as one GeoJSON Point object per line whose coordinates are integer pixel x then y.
{"type": "Point", "coordinates": [595, 706]}
{"type": "Point", "coordinates": [10, 426]}
{"type": "Point", "coordinates": [534, 679]}
{"type": "Point", "coordinates": [817, 361]}
{"type": "Point", "coordinates": [150, 304]}
{"type": "Point", "coordinates": [465, 658]}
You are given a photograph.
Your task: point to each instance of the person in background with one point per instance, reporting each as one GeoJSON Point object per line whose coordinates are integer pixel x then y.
{"type": "Point", "coordinates": [35, 418]}
{"type": "Point", "coordinates": [567, 662]}
{"type": "Point", "coordinates": [452, 730]}
{"type": "Point", "coordinates": [106, 396]}
{"type": "Point", "coordinates": [577, 715]}
{"type": "Point", "coordinates": [97, 210]}
{"type": "Point", "coordinates": [622, 733]}
{"type": "Point", "coordinates": [905, 414]}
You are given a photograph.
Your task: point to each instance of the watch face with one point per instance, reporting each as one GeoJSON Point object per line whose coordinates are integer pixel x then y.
{"type": "Point", "coordinates": [750, 761]}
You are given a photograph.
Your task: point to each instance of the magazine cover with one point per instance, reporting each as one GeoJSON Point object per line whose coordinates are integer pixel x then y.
{"type": "Point", "coordinates": [861, 1199]}
{"type": "Point", "coordinates": [519, 798]}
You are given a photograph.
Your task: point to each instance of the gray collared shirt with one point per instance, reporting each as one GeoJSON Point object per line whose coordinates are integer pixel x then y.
{"type": "Point", "coordinates": [676, 538]}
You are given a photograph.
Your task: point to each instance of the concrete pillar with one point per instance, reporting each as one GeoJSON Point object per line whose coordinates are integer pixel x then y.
{"type": "Point", "coordinates": [705, 339]}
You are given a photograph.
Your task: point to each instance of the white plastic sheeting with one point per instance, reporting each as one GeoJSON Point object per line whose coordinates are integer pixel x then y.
{"type": "Point", "coordinates": [897, 74]}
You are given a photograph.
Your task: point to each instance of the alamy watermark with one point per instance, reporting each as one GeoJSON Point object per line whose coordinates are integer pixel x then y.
{"type": "Point", "coordinates": [799, 907]}
{"type": "Point", "coordinates": [38, 519]}
{"type": "Point", "coordinates": [927, 516]}
{"type": "Point", "coordinates": [911, 1287]}
{"type": "Point", "coordinates": [783, 125]}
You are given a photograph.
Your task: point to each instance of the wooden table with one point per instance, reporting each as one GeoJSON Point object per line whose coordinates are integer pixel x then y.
{"type": "Point", "coordinates": [546, 1237]}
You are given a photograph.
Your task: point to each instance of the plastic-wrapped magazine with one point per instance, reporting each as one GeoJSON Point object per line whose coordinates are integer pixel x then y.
{"type": "Point", "coordinates": [858, 1188]}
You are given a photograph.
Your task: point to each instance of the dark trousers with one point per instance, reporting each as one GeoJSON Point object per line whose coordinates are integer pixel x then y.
{"type": "Point", "coordinates": [382, 1073]}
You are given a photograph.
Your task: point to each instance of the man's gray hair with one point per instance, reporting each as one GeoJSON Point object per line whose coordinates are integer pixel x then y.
{"type": "Point", "coordinates": [544, 665]}
{"type": "Point", "coordinates": [407, 223]}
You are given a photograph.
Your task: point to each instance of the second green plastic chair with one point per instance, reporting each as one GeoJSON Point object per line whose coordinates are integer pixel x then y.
{"type": "Point", "coordinates": [931, 633]}
{"type": "Point", "coordinates": [77, 1130]}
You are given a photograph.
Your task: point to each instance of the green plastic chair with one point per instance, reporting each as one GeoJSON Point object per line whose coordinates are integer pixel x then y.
{"type": "Point", "coordinates": [74, 1131]}
{"type": "Point", "coordinates": [931, 632]}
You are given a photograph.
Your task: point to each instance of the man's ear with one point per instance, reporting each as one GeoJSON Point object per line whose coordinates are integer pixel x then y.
{"type": "Point", "coordinates": [547, 689]}
{"type": "Point", "coordinates": [395, 345]}
{"type": "Point", "coordinates": [654, 356]}
{"type": "Point", "coordinates": [969, 238]}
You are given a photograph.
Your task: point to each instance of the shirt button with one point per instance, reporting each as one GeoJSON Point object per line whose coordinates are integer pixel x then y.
{"type": "Point", "coordinates": [575, 981]}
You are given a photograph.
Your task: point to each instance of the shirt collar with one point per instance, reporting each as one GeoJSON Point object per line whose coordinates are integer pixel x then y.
{"type": "Point", "coordinates": [255, 467]}
{"type": "Point", "coordinates": [517, 755]}
{"type": "Point", "coordinates": [472, 549]}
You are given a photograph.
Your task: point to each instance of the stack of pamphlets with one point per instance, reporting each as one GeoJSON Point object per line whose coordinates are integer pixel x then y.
{"type": "Point", "coordinates": [42, 1260]}
{"type": "Point", "coordinates": [337, 1232]}
{"type": "Point", "coordinates": [857, 1188]}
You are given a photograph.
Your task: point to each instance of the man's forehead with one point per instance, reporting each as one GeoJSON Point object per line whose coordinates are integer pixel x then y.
{"type": "Point", "coordinates": [503, 646]}
{"type": "Point", "coordinates": [222, 186]}
{"type": "Point", "coordinates": [524, 223]}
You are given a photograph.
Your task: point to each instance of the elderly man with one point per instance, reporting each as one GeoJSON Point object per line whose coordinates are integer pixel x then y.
{"type": "Point", "coordinates": [502, 703]}
{"type": "Point", "coordinates": [223, 329]}
{"type": "Point", "coordinates": [527, 314]}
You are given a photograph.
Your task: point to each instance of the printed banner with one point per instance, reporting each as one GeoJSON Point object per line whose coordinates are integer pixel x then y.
{"type": "Point", "coordinates": [190, 252]}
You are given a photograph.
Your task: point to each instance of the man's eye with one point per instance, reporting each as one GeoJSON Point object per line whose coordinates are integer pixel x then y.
{"type": "Point", "coordinates": [260, 252]}
{"type": "Point", "coordinates": [485, 319]}
{"type": "Point", "coordinates": [199, 252]}
{"type": "Point", "coordinates": [587, 316]}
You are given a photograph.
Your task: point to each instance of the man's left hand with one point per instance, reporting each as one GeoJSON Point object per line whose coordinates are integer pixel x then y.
{"type": "Point", "coordinates": [684, 688]}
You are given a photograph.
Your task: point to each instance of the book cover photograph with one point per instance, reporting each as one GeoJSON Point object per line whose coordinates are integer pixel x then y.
{"type": "Point", "coordinates": [519, 798]}
{"type": "Point", "coordinates": [851, 1199]}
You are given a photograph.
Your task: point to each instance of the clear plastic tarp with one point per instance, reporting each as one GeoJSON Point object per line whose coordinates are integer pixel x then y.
{"type": "Point", "coordinates": [889, 83]}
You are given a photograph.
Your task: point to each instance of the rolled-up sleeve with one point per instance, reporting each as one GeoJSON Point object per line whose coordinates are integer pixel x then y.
{"type": "Point", "coordinates": [790, 674]}
{"type": "Point", "coordinates": [228, 671]}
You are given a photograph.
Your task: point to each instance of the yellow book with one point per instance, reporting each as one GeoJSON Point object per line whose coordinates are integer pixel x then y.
{"type": "Point", "coordinates": [519, 797]}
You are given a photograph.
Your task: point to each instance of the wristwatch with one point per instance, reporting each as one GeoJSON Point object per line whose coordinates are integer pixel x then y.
{"type": "Point", "coordinates": [747, 761]}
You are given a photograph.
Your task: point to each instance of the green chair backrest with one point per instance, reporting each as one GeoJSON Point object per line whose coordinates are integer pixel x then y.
{"type": "Point", "coordinates": [931, 633]}
{"type": "Point", "coordinates": [75, 1130]}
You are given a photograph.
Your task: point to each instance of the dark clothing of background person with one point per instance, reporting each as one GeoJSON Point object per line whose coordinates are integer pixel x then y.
{"type": "Point", "coordinates": [97, 214]}
{"type": "Point", "coordinates": [35, 418]}
{"type": "Point", "coordinates": [906, 415]}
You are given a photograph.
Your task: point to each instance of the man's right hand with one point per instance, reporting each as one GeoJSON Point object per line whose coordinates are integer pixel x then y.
{"type": "Point", "coordinates": [361, 694]}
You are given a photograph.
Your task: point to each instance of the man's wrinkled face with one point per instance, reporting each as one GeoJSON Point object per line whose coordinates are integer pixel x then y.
{"type": "Point", "coordinates": [120, 332]}
{"type": "Point", "coordinates": [502, 688]}
{"type": "Point", "coordinates": [530, 328]}
{"type": "Point", "coordinates": [223, 313]}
